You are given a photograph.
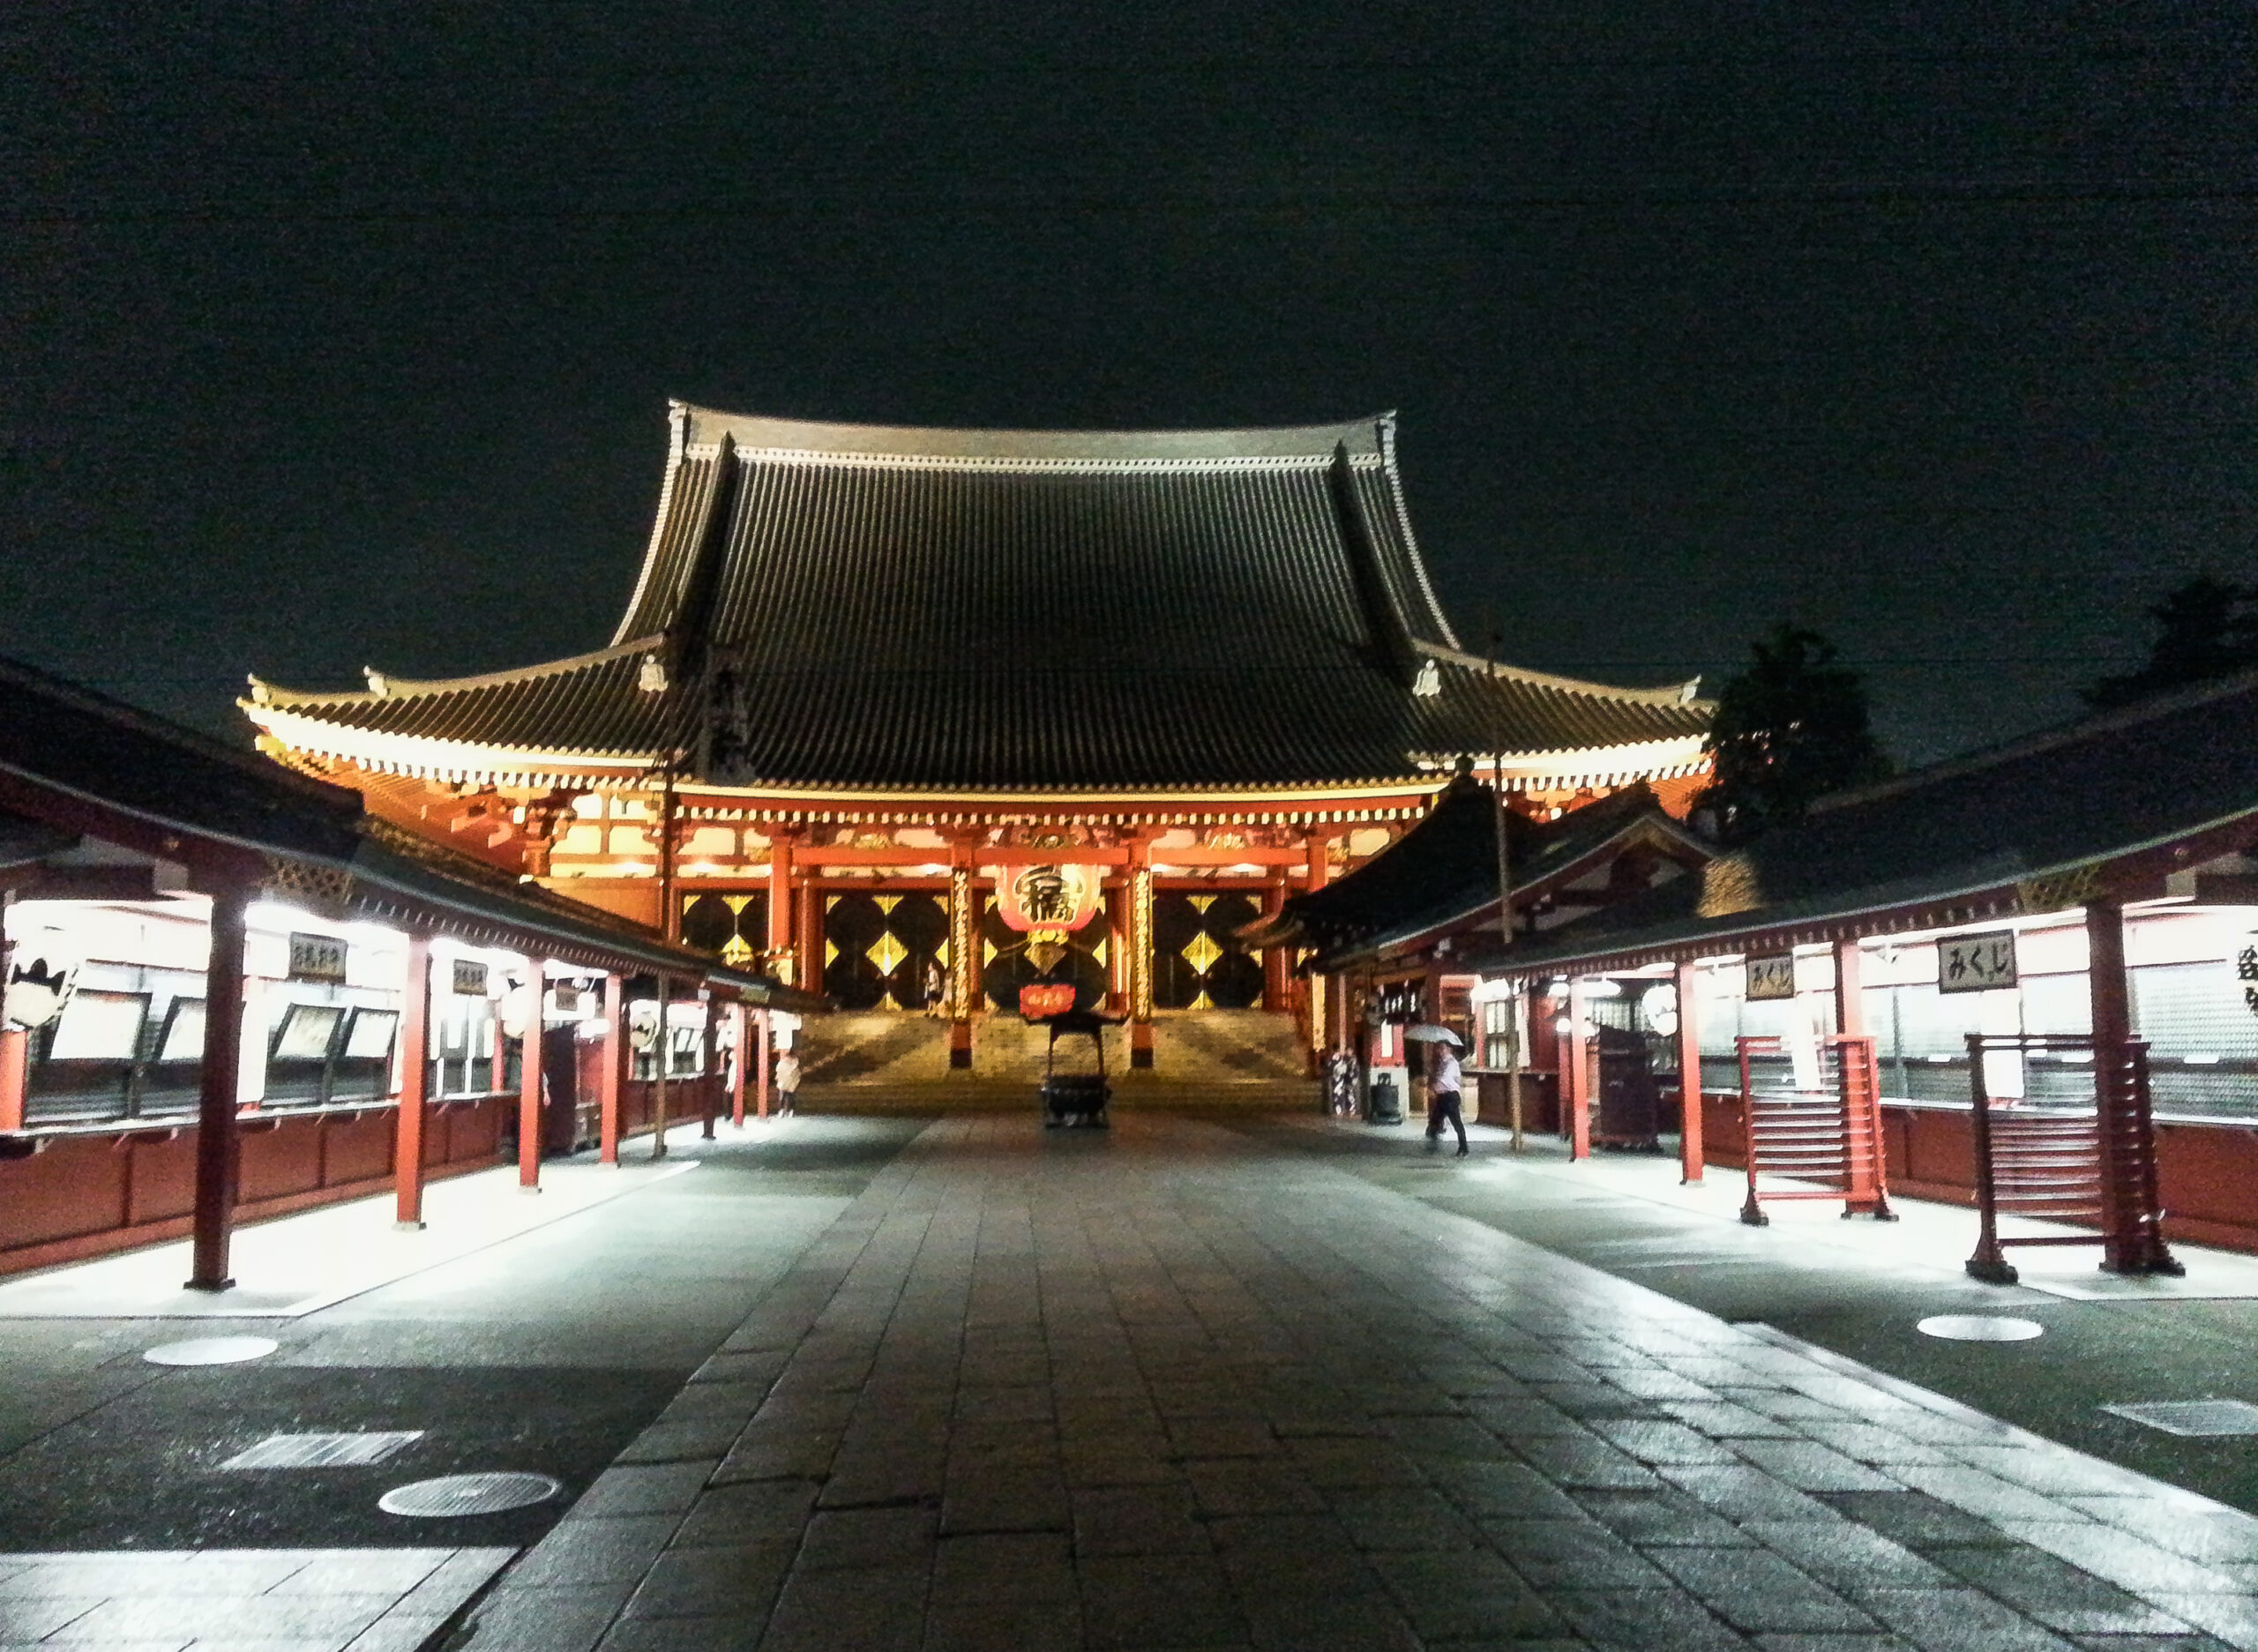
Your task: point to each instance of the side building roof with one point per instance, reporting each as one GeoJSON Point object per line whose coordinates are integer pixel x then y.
{"type": "Point", "coordinates": [874, 606]}
{"type": "Point", "coordinates": [2106, 807]}
{"type": "Point", "coordinates": [67, 751]}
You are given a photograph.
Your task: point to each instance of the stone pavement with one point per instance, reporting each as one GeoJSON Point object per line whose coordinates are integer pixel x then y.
{"type": "Point", "coordinates": [369, 1600]}
{"type": "Point", "coordinates": [1175, 1386]}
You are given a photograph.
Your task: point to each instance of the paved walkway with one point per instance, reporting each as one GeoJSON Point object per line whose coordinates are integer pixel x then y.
{"type": "Point", "coordinates": [1179, 1386]}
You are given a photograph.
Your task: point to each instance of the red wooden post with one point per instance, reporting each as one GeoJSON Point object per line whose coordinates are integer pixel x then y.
{"type": "Point", "coordinates": [740, 1051]}
{"type": "Point", "coordinates": [615, 1058]}
{"type": "Point", "coordinates": [2131, 1213]}
{"type": "Point", "coordinates": [1690, 1163]}
{"type": "Point", "coordinates": [215, 1107]}
{"type": "Point", "coordinates": [709, 1079]}
{"type": "Point", "coordinates": [529, 1076]}
{"type": "Point", "coordinates": [1849, 980]}
{"type": "Point", "coordinates": [15, 1055]}
{"type": "Point", "coordinates": [415, 1086]}
{"type": "Point", "coordinates": [779, 891]}
{"type": "Point", "coordinates": [1276, 964]}
{"type": "Point", "coordinates": [762, 1054]}
{"type": "Point", "coordinates": [664, 1053]}
{"type": "Point", "coordinates": [1578, 1086]}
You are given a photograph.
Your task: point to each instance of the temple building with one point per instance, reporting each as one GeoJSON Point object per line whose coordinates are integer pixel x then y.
{"type": "Point", "coordinates": [918, 714]}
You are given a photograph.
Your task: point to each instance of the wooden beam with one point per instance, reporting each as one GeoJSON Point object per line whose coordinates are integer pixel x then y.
{"type": "Point", "coordinates": [216, 1161]}
{"type": "Point", "coordinates": [414, 1085]}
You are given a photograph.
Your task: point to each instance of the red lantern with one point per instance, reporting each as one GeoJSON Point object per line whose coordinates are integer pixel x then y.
{"type": "Point", "coordinates": [1049, 998]}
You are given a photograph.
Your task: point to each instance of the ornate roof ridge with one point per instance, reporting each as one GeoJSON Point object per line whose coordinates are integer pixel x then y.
{"type": "Point", "coordinates": [384, 686]}
{"type": "Point", "coordinates": [807, 441]}
{"type": "Point", "coordinates": [1685, 693]}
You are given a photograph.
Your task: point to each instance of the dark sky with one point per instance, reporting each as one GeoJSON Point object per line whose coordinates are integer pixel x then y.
{"type": "Point", "coordinates": [334, 334]}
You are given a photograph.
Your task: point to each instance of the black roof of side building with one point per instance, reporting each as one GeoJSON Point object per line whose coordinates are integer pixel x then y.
{"type": "Point", "coordinates": [69, 754]}
{"type": "Point", "coordinates": [872, 607]}
{"type": "Point", "coordinates": [2110, 807]}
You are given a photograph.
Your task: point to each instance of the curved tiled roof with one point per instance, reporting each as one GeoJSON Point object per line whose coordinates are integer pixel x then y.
{"type": "Point", "coordinates": [874, 606]}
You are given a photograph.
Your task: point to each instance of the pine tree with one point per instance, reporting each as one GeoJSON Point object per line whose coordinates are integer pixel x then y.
{"type": "Point", "coordinates": [1792, 728]}
{"type": "Point", "coordinates": [2205, 629]}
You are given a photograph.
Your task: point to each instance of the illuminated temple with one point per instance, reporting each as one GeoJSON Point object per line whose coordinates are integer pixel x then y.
{"type": "Point", "coordinates": [908, 713]}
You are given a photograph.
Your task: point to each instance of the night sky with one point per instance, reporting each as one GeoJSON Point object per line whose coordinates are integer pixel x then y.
{"type": "Point", "coordinates": [339, 335]}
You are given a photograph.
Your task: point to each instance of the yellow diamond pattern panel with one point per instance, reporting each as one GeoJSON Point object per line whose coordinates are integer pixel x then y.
{"type": "Point", "coordinates": [887, 903]}
{"type": "Point", "coordinates": [1200, 903]}
{"type": "Point", "coordinates": [1201, 955]}
{"type": "Point", "coordinates": [886, 953]}
{"type": "Point", "coordinates": [737, 955]}
{"type": "Point", "coordinates": [830, 952]}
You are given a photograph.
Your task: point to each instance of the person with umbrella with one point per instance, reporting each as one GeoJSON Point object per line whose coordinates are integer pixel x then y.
{"type": "Point", "coordinates": [1443, 1082]}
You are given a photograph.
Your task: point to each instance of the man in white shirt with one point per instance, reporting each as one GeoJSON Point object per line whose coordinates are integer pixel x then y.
{"type": "Point", "coordinates": [1443, 1082]}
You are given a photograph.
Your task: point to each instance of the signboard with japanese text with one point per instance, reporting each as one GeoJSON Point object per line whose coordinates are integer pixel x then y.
{"type": "Point", "coordinates": [1976, 963]}
{"type": "Point", "coordinates": [470, 978]}
{"type": "Point", "coordinates": [2245, 972]}
{"type": "Point", "coordinates": [1773, 977]}
{"type": "Point", "coordinates": [316, 958]}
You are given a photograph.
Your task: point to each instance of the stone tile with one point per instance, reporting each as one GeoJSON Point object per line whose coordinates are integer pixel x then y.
{"type": "Point", "coordinates": [1808, 1466]}
{"type": "Point", "coordinates": [28, 1618]}
{"type": "Point", "coordinates": [1755, 1590]}
{"type": "Point", "coordinates": [1865, 1442]}
{"type": "Point", "coordinates": [2232, 1618]}
{"type": "Point", "coordinates": [1584, 1460]}
{"type": "Point", "coordinates": [1654, 1441]}
{"type": "Point", "coordinates": [1005, 1499]}
{"type": "Point", "coordinates": [592, 1551]}
{"type": "Point", "coordinates": [838, 1538]}
{"type": "Point", "coordinates": [1222, 1486]}
{"type": "Point", "coordinates": [725, 1633]}
{"type": "Point", "coordinates": [762, 1511]}
{"type": "Point", "coordinates": [1847, 1555]}
{"type": "Point", "coordinates": [707, 1437]}
{"type": "Point", "coordinates": [363, 1572]}
{"type": "Point", "coordinates": [2056, 1593]}
{"type": "Point", "coordinates": [545, 1619]}
{"type": "Point", "coordinates": [1332, 1463]}
{"type": "Point", "coordinates": [1646, 1518]}
{"type": "Point", "coordinates": [821, 1611]}
{"type": "Point", "coordinates": [1720, 1419]}
{"type": "Point", "coordinates": [1157, 1601]}
{"type": "Point", "coordinates": [1465, 1596]}
{"type": "Point", "coordinates": [1747, 1493]}
{"type": "Point", "coordinates": [1402, 1517]}
{"type": "Point", "coordinates": [1016, 1565]}
{"type": "Point", "coordinates": [651, 1488]}
{"type": "Point", "coordinates": [1136, 1520]}
{"type": "Point", "coordinates": [2130, 1562]}
{"type": "Point", "coordinates": [1914, 1519]}
{"type": "Point", "coordinates": [1028, 1624]}
{"type": "Point", "coordinates": [1563, 1554]}
{"type": "Point", "coordinates": [1644, 1620]}
{"type": "Point", "coordinates": [1221, 1437]}
{"type": "Point", "coordinates": [1502, 1490]}
{"type": "Point", "coordinates": [1957, 1620]}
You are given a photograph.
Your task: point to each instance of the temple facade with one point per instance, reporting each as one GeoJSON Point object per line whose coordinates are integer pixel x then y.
{"type": "Point", "coordinates": [971, 721]}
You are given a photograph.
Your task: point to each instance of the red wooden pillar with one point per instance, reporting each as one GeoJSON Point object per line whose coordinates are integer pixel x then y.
{"type": "Point", "coordinates": [615, 1059]}
{"type": "Point", "coordinates": [15, 1056]}
{"type": "Point", "coordinates": [1140, 951]}
{"type": "Point", "coordinates": [964, 955]}
{"type": "Point", "coordinates": [763, 1082]}
{"type": "Point", "coordinates": [1689, 1078]}
{"type": "Point", "coordinates": [2131, 1212]}
{"type": "Point", "coordinates": [1850, 981]}
{"type": "Point", "coordinates": [1575, 1085]}
{"type": "Point", "coordinates": [809, 938]}
{"type": "Point", "coordinates": [414, 1085]}
{"type": "Point", "coordinates": [709, 1076]}
{"type": "Point", "coordinates": [664, 1053]}
{"type": "Point", "coordinates": [529, 1079]}
{"type": "Point", "coordinates": [1277, 967]}
{"type": "Point", "coordinates": [779, 891]}
{"type": "Point", "coordinates": [740, 1052]}
{"type": "Point", "coordinates": [216, 1157]}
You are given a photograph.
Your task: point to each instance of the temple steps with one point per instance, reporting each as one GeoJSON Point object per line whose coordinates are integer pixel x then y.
{"type": "Point", "coordinates": [889, 1061]}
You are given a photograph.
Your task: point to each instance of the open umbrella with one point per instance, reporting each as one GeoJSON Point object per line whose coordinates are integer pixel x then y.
{"type": "Point", "coordinates": [1428, 1033]}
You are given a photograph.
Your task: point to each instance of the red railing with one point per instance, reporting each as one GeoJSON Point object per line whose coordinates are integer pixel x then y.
{"type": "Point", "coordinates": [1828, 1139]}
{"type": "Point", "coordinates": [2089, 1160]}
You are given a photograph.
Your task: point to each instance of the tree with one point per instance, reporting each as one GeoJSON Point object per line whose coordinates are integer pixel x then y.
{"type": "Point", "coordinates": [1788, 729]}
{"type": "Point", "coordinates": [2205, 629]}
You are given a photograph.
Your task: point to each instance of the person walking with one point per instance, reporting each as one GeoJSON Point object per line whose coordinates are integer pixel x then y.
{"type": "Point", "coordinates": [1443, 1083]}
{"type": "Point", "coordinates": [787, 1074]}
